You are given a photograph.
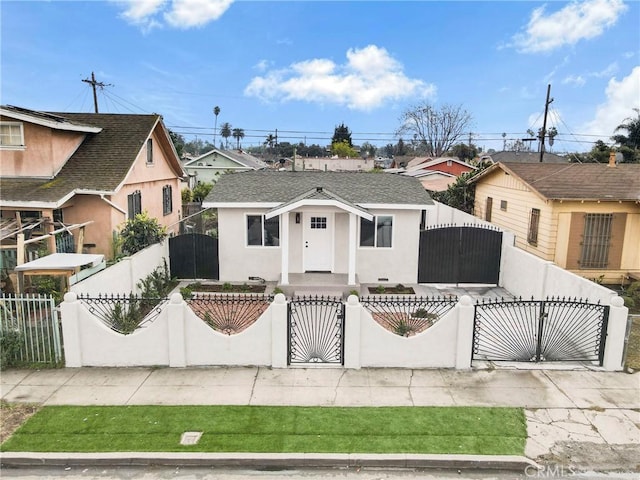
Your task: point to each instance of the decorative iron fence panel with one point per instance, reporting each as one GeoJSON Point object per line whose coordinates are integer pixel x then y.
{"type": "Point", "coordinates": [316, 330]}
{"type": "Point", "coordinates": [194, 255]}
{"type": "Point", "coordinates": [33, 324]}
{"type": "Point", "coordinates": [229, 314]}
{"type": "Point", "coordinates": [540, 331]}
{"type": "Point", "coordinates": [124, 313]}
{"type": "Point", "coordinates": [407, 316]}
{"type": "Point", "coordinates": [467, 254]}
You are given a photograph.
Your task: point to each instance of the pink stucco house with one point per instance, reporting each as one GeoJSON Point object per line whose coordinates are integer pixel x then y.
{"type": "Point", "coordinates": [62, 169]}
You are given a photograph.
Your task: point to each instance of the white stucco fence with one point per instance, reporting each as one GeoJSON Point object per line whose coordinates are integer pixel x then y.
{"type": "Point", "coordinates": [122, 277]}
{"type": "Point", "coordinates": [178, 338]}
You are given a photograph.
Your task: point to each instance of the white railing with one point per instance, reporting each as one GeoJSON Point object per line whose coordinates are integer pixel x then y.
{"type": "Point", "coordinates": [30, 329]}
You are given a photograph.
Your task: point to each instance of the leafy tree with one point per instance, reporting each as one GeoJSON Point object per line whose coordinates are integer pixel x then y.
{"type": "Point", "coordinates": [343, 149]}
{"type": "Point", "coordinates": [434, 130]}
{"type": "Point", "coordinates": [460, 194]}
{"type": "Point", "coordinates": [629, 144]}
{"type": "Point", "coordinates": [400, 148]}
{"type": "Point", "coordinates": [238, 134]}
{"type": "Point", "coordinates": [463, 151]}
{"type": "Point", "coordinates": [187, 195]}
{"type": "Point", "coordinates": [225, 132]}
{"type": "Point", "coordinates": [341, 134]}
{"type": "Point", "coordinates": [139, 232]}
{"type": "Point", "coordinates": [178, 142]}
{"type": "Point", "coordinates": [367, 150]}
{"type": "Point", "coordinates": [201, 190]}
{"type": "Point", "coordinates": [388, 150]}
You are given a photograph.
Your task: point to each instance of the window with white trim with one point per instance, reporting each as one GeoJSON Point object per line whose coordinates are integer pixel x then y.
{"type": "Point", "coordinates": [11, 134]}
{"type": "Point", "coordinates": [377, 232]}
{"type": "Point", "coordinates": [262, 232]}
{"type": "Point", "coordinates": [167, 200]}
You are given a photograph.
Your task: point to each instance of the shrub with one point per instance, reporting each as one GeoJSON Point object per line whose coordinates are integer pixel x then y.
{"type": "Point", "coordinates": [140, 232]}
{"type": "Point", "coordinates": [187, 195]}
{"type": "Point", "coordinates": [11, 344]}
{"type": "Point", "coordinates": [201, 190]}
{"type": "Point", "coordinates": [631, 296]}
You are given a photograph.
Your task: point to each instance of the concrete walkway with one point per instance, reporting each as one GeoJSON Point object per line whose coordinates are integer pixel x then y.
{"type": "Point", "coordinates": [579, 418]}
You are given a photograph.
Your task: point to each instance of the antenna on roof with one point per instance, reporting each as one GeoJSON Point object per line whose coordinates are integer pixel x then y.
{"type": "Point", "coordinates": [95, 84]}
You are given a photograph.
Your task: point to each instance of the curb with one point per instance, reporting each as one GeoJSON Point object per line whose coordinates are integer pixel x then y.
{"type": "Point", "coordinates": [271, 460]}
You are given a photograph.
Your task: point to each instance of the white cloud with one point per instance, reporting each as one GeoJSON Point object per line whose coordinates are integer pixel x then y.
{"type": "Point", "coordinates": [262, 65]}
{"type": "Point", "coordinates": [622, 97]}
{"type": "Point", "coordinates": [607, 72]}
{"type": "Point", "coordinates": [577, 80]}
{"type": "Point", "coordinates": [176, 13]}
{"type": "Point", "coordinates": [368, 79]}
{"type": "Point", "coordinates": [574, 22]}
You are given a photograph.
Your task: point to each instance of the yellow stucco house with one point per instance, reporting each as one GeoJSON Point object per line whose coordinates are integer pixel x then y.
{"type": "Point", "coordinates": [96, 170]}
{"type": "Point", "coordinates": [583, 217]}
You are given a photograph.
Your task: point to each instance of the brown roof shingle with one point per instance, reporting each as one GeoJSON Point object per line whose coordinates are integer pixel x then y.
{"type": "Point", "coordinates": [580, 181]}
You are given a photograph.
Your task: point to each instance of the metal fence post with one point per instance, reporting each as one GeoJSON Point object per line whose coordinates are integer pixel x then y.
{"type": "Point", "coordinates": [541, 318]}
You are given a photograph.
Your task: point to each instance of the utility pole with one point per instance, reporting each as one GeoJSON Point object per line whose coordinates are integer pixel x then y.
{"type": "Point", "coordinates": [543, 132]}
{"type": "Point", "coordinates": [95, 84]}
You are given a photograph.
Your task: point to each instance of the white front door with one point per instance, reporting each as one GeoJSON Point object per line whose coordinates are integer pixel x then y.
{"type": "Point", "coordinates": [318, 242]}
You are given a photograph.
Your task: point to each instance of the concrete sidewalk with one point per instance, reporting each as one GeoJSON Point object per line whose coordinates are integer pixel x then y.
{"type": "Point", "coordinates": [580, 418]}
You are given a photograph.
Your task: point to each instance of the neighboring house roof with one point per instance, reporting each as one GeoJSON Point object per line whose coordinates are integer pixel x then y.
{"type": "Point", "coordinates": [428, 162]}
{"type": "Point", "coordinates": [240, 157]}
{"type": "Point", "coordinates": [575, 181]}
{"type": "Point", "coordinates": [46, 119]}
{"type": "Point", "coordinates": [423, 172]}
{"type": "Point", "coordinates": [274, 188]}
{"type": "Point", "coordinates": [524, 157]}
{"type": "Point", "coordinates": [99, 165]}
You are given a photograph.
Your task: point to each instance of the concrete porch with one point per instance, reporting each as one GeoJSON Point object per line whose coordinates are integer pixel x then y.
{"type": "Point", "coordinates": [319, 284]}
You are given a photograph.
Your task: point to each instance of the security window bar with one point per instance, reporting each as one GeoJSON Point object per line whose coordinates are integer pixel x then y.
{"type": "Point", "coordinates": [263, 232]}
{"type": "Point", "coordinates": [377, 232]}
{"type": "Point", "coordinates": [134, 202]}
{"type": "Point", "coordinates": [11, 134]}
{"type": "Point", "coordinates": [167, 200]}
{"type": "Point", "coordinates": [596, 240]}
{"type": "Point", "coordinates": [534, 222]}
{"type": "Point", "coordinates": [319, 223]}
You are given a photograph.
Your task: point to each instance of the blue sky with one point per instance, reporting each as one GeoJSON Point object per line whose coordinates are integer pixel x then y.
{"type": "Point", "coordinates": [305, 67]}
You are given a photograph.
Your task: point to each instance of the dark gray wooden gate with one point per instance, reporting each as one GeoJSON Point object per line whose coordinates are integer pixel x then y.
{"type": "Point", "coordinates": [194, 255]}
{"type": "Point", "coordinates": [467, 254]}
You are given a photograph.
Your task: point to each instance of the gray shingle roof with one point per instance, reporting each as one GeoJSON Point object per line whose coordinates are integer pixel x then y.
{"type": "Point", "coordinates": [282, 187]}
{"type": "Point", "coordinates": [101, 162]}
{"type": "Point", "coordinates": [526, 157]}
{"type": "Point", "coordinates": [578, 181]}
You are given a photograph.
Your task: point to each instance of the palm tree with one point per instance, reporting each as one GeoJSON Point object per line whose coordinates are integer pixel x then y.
{"type": "Point", "coordinates": [216, 112]}
{"type": "Point", "coordinates": [270, 141]}
{"type": "Point", "coordinates": [225, 132]}
{"type": "Point", "coordinates": [630, 143]}
{"type": "Point", "coordinates": [238, 134]}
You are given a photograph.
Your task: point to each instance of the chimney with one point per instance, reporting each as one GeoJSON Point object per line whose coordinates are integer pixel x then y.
{"type": "Point", "coordinates": [612, 159]}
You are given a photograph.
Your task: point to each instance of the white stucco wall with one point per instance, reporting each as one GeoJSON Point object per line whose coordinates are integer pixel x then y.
{"type": "Point", "coordinates": [398, 264]}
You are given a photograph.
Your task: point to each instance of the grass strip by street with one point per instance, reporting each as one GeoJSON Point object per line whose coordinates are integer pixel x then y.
{"type": "Point", "coordinates": [456, 430]}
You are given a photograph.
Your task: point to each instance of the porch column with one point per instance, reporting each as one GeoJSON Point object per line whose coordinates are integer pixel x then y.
{"type": "Point", "coordinates": [351, 278]}
{"type": "Point", "coordinates": [284, 245]}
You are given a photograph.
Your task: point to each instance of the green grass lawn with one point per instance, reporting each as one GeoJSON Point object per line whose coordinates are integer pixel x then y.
{"type": "Point", "coordinates": [463, 430]}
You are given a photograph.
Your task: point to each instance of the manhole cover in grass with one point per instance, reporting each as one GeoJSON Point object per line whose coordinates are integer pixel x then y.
{"type": "Point", "coordinates": [190, 438]}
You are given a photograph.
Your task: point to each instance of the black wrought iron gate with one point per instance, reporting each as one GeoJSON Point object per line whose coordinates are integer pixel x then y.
{"type": "Point", "coordinates": [194, 255]}
{"type": "Point", "coordinates": [540, 331]}
{"type": "Point", "coordinates": [316, 330]}
{"type": "Point", "coordinates": [467, 254]}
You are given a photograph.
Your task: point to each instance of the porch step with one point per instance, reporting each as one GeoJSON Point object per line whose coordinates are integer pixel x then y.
{"type": "Point", "coordinates": [321, 291]}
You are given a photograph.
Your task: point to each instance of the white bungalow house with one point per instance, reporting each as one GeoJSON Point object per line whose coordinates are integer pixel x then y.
{"type": "Point", "coordinates": [278, 225]}
{"type": "Point", "coordinates": [209, 166]}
